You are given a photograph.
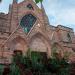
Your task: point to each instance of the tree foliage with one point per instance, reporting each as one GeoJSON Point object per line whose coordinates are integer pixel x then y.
{"type": "Point", "coordinates": [26, 65]}
{"type": "Point", "coordinates": [52, 65]}
{"type": "Point", "coordinates": [37, 1]}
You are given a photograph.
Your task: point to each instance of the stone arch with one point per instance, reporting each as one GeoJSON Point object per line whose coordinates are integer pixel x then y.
{"type": "Point", "coordinates": [19, 44]}
{"type": "Point", "coordinates": [58, 49]}
{"type": "Point", "coordinates": [38, 42]}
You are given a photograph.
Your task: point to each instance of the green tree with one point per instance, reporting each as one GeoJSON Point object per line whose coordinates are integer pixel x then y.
{"type": "Point", "coordinates": [38, 1]}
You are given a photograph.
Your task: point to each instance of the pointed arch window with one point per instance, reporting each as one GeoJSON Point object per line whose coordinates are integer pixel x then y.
{"type": "Point", "coordinates": [27, 22]}
{"type": "Point", "coordinates": [69, 37]}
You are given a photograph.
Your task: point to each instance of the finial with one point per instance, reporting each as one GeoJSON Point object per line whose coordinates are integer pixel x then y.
{"type": "Point", "coordinates": [15, 1]}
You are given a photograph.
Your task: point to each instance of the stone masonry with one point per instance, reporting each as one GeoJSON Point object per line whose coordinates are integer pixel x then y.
{"type": "Point", "coordinates": [41, 37]}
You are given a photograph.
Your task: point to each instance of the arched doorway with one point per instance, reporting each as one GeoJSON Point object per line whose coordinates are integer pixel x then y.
{"type": "Point", "coordinates": [39, 42]}
{"type": "Point", "coordinates": [18, 45]}
{"type": "Point", "coordinates": [40, 47]}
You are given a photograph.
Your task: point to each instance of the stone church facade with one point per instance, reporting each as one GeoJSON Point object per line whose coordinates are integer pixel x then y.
{"type": "Point", "coordinates": [26, 26]}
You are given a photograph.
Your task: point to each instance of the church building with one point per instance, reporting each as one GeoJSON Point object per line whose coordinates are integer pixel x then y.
{"type": "Point", "coordinates": [26, 26]}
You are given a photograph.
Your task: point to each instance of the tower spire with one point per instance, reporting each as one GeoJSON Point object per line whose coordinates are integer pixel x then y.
{"type": "Point", "coordinates": [42, 7]}
{"type": "Point", "coordinates": [45, 17]}
{"type": "Point", "coordinates": [15, 1]}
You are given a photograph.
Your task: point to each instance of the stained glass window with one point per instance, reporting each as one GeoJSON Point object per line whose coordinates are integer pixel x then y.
{"type": "Point", "coordinates": [27, 22]}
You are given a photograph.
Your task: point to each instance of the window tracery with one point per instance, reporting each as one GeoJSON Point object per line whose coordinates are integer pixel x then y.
{"type": "Point", "coordinates": [27, 22]}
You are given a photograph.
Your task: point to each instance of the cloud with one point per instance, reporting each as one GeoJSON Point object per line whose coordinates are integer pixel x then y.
{"type": "Point", "coordinates": [58, 11]}
{"type": "Point", "coordinates": [61, 12]}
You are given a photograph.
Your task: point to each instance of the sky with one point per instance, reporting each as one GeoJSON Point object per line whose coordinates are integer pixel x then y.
{"type": "Point", "coordinates": [59, 12]}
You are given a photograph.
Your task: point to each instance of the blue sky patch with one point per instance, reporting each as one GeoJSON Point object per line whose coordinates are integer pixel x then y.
{"type": "Point", "coordinates": [58, 11]}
